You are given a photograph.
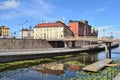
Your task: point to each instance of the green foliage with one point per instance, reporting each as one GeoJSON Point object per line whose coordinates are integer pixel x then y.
{"type": "Point", "coordinates": [25, 63]}
{"type": "Point", "coordinates": [65, 56]}
{"type": "Point", "coordinates": [77, 63]}
{"type": "Point", "coordinates": [84, 53]}
{"type": "Point", "coordinates": [105, 74]}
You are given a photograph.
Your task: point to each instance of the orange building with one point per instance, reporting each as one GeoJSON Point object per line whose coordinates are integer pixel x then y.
{"type": "Point", "coordinates": [81, 28]}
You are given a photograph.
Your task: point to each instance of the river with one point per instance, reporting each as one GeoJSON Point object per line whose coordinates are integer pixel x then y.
{"type": "Point", "coordinates": [31, 74]}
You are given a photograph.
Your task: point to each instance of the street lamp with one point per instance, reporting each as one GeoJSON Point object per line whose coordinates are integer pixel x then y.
{"type": "Point", "coordinates": [104, 31]}
{"type": "Point", "coordinates": [111, 34]}
{"type": "Point", "coordinates": [22, 27]}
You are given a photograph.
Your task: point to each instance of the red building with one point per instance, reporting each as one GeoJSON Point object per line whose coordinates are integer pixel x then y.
{"type": "Point", "coordinates": [81, 28]}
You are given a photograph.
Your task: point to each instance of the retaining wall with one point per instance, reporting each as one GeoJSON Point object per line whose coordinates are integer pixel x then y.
{"type": "Point", "coordinates": [23, 43]}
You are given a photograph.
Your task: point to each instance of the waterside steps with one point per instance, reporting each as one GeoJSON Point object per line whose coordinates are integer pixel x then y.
{"type": "Point", "coordinates": [95, 67]}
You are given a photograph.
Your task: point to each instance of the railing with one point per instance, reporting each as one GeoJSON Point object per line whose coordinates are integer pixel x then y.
{"type": "Point", "coordinates": [85, 38]}
{"type": "Point", "coordinates": [105, 75]}
{"type": "Point", "coordinates": [110, 74]}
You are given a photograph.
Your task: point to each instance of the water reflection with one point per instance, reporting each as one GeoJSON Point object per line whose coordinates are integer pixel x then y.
{"type": "Point", "coordinates": [50, 68]}
{"type": "Point", "coordinates": [58, 70]}
{"type": "Point", "coordinates": [65, 67]}
{"type": "Point", "coordinates": [89, 58]}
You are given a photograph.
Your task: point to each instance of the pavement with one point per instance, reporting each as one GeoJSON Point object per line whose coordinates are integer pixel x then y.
{"type": "Point", "coordinates": [117, 77]}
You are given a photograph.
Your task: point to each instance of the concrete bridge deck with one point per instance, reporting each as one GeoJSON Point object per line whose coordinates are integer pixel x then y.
{"type": "Point", "coordinates": [22, 54]}
{"type": "Point", "coordinates": [95, 67]}
{"type": "Point", "coordinates": [37, 51]}
{"type": "Point", "coordinates": [9, 52]}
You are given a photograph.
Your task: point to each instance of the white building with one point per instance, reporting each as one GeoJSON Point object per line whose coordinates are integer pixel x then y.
{"type": "Point", "coordinates": [27, 33]}
{"type": "Point", "coordinates": [55, 30]}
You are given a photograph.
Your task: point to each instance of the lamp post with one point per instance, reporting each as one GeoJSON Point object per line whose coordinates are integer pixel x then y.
{"type": "Point", "coordinates": [14, 34]}
{"type": "Point", "coordinates": [104, 31]}
{"type": "Point", "coordinates": [11, 35]}
{"type": "Point", "coordinates": [22, 27]}
{"type": "Point", "coordinates": [111, 35]}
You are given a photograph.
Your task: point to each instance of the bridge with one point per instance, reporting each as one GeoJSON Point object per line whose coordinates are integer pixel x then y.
{"type": "Point", "coordinates": [106, 41]}
{"type": "Point", "coordinates": [85, 39]}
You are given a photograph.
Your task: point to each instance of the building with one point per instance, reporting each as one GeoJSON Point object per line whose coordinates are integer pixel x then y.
{"type": "Point", "coordinates": [81, 28]}
{"type": "Point", "coordinates": [54, 30]}
{"type": "Point", "coordinates": [27, 33]}
{"type": "Point", "coordinates": [4, 32]}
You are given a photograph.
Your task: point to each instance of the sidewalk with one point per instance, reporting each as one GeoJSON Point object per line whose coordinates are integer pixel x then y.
{"type": "Point", "coordinates": [117, 77]}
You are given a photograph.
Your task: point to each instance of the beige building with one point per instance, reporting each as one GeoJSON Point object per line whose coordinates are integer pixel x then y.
{"type": "Point", "coordinates": [4, 32]}
{"type": "Point", "coordinates": [27, 33]}
{"type": "Point", "coordinates": [55, 30]}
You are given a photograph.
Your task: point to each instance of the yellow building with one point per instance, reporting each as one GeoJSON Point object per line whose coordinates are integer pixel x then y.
{"type": "Point", "coordinates": [55, 30]}
{"type": "Point", "coordinates": [4, 32]}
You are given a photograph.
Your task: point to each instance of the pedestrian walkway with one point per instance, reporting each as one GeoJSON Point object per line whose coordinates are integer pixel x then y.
{"type": "Point", "coordinates": [95, 67]}
{"type": "Point", "coordinates": [117, 77]}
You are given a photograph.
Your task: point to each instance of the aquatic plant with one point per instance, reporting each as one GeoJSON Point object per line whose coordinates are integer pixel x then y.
{"type": "Point", "coordinates": [75, 62]}
{"type": "Point", "coordinates": [107, 73]}
{"type": "Point", "coordinates": [21, 64]}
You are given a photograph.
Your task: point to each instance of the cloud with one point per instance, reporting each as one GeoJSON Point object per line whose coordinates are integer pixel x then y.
{"type": "Point", "coordinates": [105, 27]}
{"type": "Point", "coordinates": [10, 15]}
{"type": "Point", "coordinates": [9, 4]}
{"type": "Point", "coordinates": [101, 9]}
{"type": "Point", "coordinates": [45, 6]}
{"type": "Point", "coordinates": [34, 9]}
{"type": "Point", "coordinates": [105, 30]}
{"type": "Point", "coordinates": [37, 9]}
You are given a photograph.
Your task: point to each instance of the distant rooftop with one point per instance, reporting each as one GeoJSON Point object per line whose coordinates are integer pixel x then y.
{"type": "Point", "coordinates": [55, 24]}
{"type": "Point", "coordinates": [83, 21]}
{"type": "Point", "coordinates": [3, 27]}
{"type": "Point", "coordinates": [26, 29]}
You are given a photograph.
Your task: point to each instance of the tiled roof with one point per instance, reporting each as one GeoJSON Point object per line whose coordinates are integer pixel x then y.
{"type": "Point", "coordinates": [56, 24]}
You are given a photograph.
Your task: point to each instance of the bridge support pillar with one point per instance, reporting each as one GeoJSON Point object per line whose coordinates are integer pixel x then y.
{"type": "Point", "coordinates": [73, 43]}
{"type": "Point", "coordinates": [108, 50]}
{"type": "Point", "coordinates": [66, 44]}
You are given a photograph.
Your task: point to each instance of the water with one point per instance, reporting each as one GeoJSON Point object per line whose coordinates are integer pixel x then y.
{"type": "Point", "coordinates": [115, 54]}
{"type": "Point", "coordinates": [31, 74]}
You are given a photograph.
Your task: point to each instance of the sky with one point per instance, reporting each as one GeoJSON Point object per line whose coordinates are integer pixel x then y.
{"type": "Point", "coordinates": [102, 14]}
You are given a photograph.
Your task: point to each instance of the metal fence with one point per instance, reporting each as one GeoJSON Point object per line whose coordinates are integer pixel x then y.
{"type": "Point", "coordinates": [104, 75]}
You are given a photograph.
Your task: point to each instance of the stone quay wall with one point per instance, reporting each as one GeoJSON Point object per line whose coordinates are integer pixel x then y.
{"type": "Point", "coordinates": [23, 43]}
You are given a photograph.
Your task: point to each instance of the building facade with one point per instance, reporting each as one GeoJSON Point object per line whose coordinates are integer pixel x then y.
{"type": "Point", "coordinates": [4, 32]}
{"type": "Point", "coordinates": [27, 33]}
{"type": "Point", "coordinates": [81, 28]}
{"type": "Point", "coordinates": [54, 30]}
